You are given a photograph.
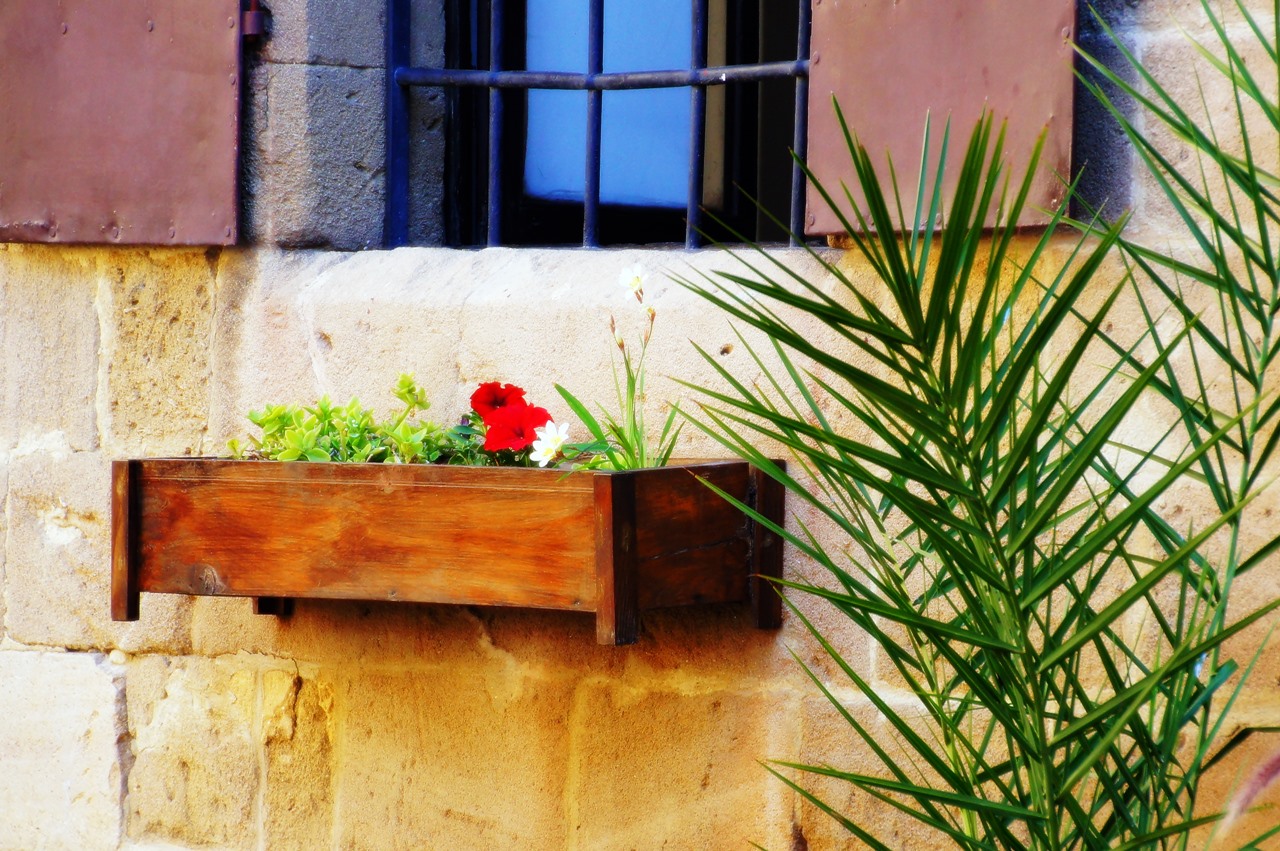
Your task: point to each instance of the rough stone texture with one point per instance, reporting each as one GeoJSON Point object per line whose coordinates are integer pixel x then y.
{"type": "Point", "coordinates": [261, 352]}
{"type": "Point", "coordinates": [61, 726]}
{"type": "Point", "coordinates": [1099, 150]}
{"type": "Point", "coordinates": [4, 535]}
{"type": "Point", "coordinates": [427, 109]}
{"type": "Point", "coordinates": [827, 740]}
{"type": "Point", "coordinates": [57, 560]}
{"type": "Point", "coordinates": [1188, 77]}
{"type": "Point", "coordinates": [291, 328]}
{"type": "Point", "coordinates": [312, 164]}
{"type": "Point", "coordinates": [322, 157]}
{"type": "Point", "coordinates": [298, 731]}
{"type": "Point", "coordinates": [701, 788]}
{"type": "Point", "coordinates": [47, 298]}
{"type": "Point", "coordinates": [488, 768]}
{"type": "Point", "coordinates": [1229, 779]}
{"type": "Point", "coordinates": [158, 307]}
{"type": "Point", "coordinates": [196, 766]}
{"type": "Point", "coordinates": [321, 32]}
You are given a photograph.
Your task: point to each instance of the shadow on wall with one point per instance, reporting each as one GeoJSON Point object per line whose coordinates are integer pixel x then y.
{"type": "Point", "coordinates": [390, 725]}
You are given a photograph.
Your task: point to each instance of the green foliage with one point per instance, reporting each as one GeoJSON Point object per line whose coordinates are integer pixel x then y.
{"type": "Point", "coordinates": [350, 432]}
{"type": "Point", "coordinates": [621, 438]}
{"type": "Point", "coordinates": [1223, 288]}
{"type": "Point", "coordinates": [956, 440]}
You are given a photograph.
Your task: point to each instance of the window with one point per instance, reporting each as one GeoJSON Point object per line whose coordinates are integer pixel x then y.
{"type": "Point", "coordinates": [576, 122]}
{"type": "Point", "coordinates": [538, 155]}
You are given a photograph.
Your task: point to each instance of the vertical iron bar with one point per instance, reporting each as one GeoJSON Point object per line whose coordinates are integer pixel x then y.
{"type": "Point", "coordinates": [800, 141]}
{"type": "Point", "coordinates": [595, 104]}
{"type": "Point", "coordinates": [496, 42]}
{"type": "Point", "coordinates": [697, 127]}
{"type": "Point", "coordinates": [395, 218]}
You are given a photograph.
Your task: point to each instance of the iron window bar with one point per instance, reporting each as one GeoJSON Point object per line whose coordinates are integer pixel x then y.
{"type": "Point", "coordinates": [401, 76]}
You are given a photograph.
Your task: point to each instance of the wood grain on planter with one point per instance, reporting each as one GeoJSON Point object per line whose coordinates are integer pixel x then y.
{"type": "Point", "coordinates": [612, 543]}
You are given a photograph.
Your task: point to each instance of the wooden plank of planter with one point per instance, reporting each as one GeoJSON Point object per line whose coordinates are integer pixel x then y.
{"type": "Point", "coordinates": [609, 543]}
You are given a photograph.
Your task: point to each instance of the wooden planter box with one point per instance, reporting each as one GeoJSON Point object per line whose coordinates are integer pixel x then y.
{"type": "Point", "coordinates": [612, 543]}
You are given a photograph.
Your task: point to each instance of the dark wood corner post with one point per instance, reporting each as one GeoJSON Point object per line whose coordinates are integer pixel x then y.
{"type": "Point", "coordinates": [766, 550]}
{"type": "Point", "coordinates": [124, 556]}
{"type": "Point", "coordinates": [617, 601]}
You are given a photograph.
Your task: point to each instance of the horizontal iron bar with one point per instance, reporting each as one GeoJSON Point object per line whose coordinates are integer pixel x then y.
{"type": "Point", "coordinates": [407, 76]}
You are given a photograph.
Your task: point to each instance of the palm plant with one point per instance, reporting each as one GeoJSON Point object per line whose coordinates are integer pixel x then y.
{"type": "Point", "coordinates": [1228, 204]}
{"type": "Point", "coordinates": [979, 516]}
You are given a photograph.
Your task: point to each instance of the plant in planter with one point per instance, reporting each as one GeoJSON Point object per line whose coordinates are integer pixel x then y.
{"type": "Point", "coordinates": [1054, 625]}
{"type": "Point", "coordinates": [501, 430]}
{"type": "Point", "coordinates": [624, 435]}
{"type": "Point", "coordinates": [424, 513]}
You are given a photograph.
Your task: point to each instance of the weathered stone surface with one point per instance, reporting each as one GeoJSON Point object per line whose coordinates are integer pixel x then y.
{"type": "Point", "coordinates": [395, 726]}
{"type": "Point", "coordinates": [317, 32]}
{"type": "Point", "coordinates": [1192, 82]}
{"type": "Point", "coordinates": [4, 535]}
{"type": "Point", "coordinates": [298, 731]}
{"type": "Point", "coordinates": [1175, 15]}
{"type": "Point", "coordinates": [452, 758]}
{"type": "Point", "coordinates": [426, 166]}
{"type": "Point", "coordinates": [61, 727]}
{"type": "Point", "coordinates": [299, 86]}
{"type": "Point", "coordinates": [159, 311]}
{"type": "Point", "coordinates": [49, 335]}
{"type": "Point", "coordinates": [294, 325]}
{"type": "Point", "coordinates": [57, 570]}
{"type": "Point", "coordinates": [347, 32]}
{"type": "Point", "coordinates": [322, 157]}
{"type": "Point", "coordinates": [196, 767]}
{"type": "Point", "coordinates": [829, 741]}
{"type": "Point", "coordinates": [262, 350]}
{"type": "Point", "coordinates": [253, 151]}
{"type": "Point", "coordinates": [1232, 778]}
{"type": "Point", "coordinates": [700, 787]}
{"type": "Point", "coordinates": [1100, 152]}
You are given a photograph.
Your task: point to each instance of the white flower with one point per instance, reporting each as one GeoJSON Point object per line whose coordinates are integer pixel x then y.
{"type": "Point", "coordinates": [633, 278]}
{"type": "Point", "coordinates": [550, 439]}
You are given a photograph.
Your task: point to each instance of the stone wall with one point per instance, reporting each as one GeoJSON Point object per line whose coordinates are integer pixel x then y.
{"type": "Point", "coordinates": [381, 725]}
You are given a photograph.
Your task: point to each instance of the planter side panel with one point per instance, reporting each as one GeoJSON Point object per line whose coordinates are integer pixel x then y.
{"type": "Point", "coordinates": [692, 545]}
{"type": "Point", "coordinates": [371, 532]}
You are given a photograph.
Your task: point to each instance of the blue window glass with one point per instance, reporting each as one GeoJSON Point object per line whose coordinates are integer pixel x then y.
{"type": "Point", "coordinates": [644, 134]}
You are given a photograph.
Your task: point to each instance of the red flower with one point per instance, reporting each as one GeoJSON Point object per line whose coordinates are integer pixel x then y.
{"type": "Point", "coordinates": [512, 427]}
{"type": "Point", "coordinates": [492, 396]}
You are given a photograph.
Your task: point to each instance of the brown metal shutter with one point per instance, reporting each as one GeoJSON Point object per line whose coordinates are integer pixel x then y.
{"type": "Point", "coordinates": [889, 62]}
{"type": "Point", "coordinates": [119, 121]}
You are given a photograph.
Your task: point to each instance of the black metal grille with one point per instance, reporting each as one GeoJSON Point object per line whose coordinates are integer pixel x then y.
{"type": "Point", "coordinates": [401, 75]}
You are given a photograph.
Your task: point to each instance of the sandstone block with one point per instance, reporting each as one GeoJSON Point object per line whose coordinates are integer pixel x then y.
{"type": "Point", "coordinates": [298, 728]}
{"type": "Point", "coordinates": [195, 774]}
{"type": "Point", "coordinates": [1171, 15]}
{"type": "Point", "coordinates": [477, 762]}
{"type": "Point", "coordinates": [4, 534]}
{"type": "Point", "coordinates": [1207, 96]}
{"type": "Point", "coordinates": [57, 562]}
{"type": "Point", "coordinates": [338, 632]}
{"type": "Point", "coordinates": [262, 351]}
{"type": "Point", "coordinates": [680, 769]}
{"type": "Point", "coordinates": [48, 344]}
{"type": "Point", "coordinates": [160, 316]}
{"type": "Point", "coordinates": [62, 725]}
{"type": "Point", "coordinates": [1229, 778]}
{"type": "Point", "coordinates": [828, 741]}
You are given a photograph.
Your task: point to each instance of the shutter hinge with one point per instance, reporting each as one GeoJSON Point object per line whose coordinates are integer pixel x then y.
{"type": "Point", "coordinates": [253, 21]}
